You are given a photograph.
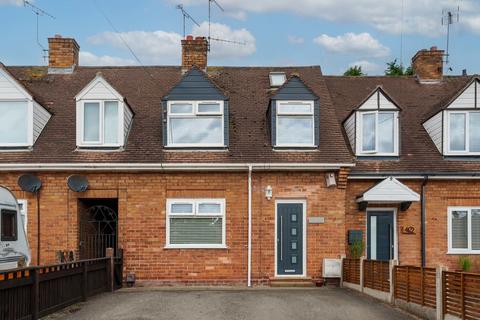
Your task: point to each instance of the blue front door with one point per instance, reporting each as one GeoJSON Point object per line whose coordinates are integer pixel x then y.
{"type": "Point", "coordinates": [380, 240]}
{"type": "Point", "coordinates": [289, 238]}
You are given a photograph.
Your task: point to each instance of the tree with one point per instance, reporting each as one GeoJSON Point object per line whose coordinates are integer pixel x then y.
{"type": "Point", "coordinates": [396, 69]}
{"type": "Point", "coordinates": [354, 71]}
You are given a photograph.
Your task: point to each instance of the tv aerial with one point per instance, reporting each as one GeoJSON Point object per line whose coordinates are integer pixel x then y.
{"type": "Point", "coordinates": [449, 18]}
{"type": "Point", "coordinates": [210, 38]}
{"type": "Point", "coordinates": [186, 16]}
{"type": "Point", "coordinates": [38, 12]}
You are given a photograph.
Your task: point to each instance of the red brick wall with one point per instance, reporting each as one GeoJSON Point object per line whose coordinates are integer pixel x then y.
{"type": "Point", "coordinates": [440, 195]}
{"type": "Point", "coordinates": [141, 206]}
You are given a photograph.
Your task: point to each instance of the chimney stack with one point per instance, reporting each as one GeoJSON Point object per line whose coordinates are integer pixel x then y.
{"type": "Point", "coordinates": [428, 64]}
{"type": "Point", "coordinates": [62, 54]}
{"type": "Point", "coordinates": [194, 53]}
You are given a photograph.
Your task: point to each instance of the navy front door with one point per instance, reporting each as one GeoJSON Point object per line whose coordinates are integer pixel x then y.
{"type": "Point", "coordinates": [289, 238]}
{"type": "Point", "coordinates": [380, 240]}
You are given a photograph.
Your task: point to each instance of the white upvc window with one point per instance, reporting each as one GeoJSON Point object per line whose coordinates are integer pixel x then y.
{"type": "Point", "coordinates": [463, 132]}
{"type": "Point", "coordinates": [100, 123]}
{"type": "Point", "coordinates": [195, 124]}
{"type": "Point", "coordinates": [378, 133]}
{"type": "Point", "coordinates": [464, 230]}
{"type": "Point", "coordinates": [195, 223]}
{"type": "Point", "coordinates": [295, 125]}
{"type": "Point", "coordinates": [16, 123]}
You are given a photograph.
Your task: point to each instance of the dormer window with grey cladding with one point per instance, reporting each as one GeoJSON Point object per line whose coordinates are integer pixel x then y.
{"type": "Point", "coordinates": [295, 116]}
{"type": "Point", "coordinates": [195, 114]}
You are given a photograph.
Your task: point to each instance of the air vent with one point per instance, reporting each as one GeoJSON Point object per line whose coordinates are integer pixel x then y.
{"type": "Point", "coordinates": [277, 79]}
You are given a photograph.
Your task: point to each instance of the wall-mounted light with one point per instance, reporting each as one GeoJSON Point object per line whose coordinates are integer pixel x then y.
{"type": "Point", "coordinates": [268, 192]}
{"type": "Point", "coordinates": [330, 179]}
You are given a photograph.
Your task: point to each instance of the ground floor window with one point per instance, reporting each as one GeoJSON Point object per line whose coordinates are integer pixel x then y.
{"type": "Point", "coordinates": [9, 225]}
{"type": "Point", "coordinates": [464, 230]}
{"type": "Point", "coordinates": [195, 223]}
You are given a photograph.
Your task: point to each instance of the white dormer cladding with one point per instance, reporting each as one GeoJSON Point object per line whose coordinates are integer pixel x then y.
{"type": "Point", "coordinates": [455, 131]}
{"type": "Point", "coordinates": [103, 118]}
{"type": "Point", "coordinates": [22, 119]}
{"type": "Point", "coordinates": [373, 127]}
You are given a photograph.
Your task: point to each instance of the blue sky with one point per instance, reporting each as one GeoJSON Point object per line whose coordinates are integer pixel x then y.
{"type": "Point", "coordinates": [331, 33]}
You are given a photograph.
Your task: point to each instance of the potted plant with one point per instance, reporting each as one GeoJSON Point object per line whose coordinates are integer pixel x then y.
{"type": "Point", "coordinates": [356, 249]}
{"type": "Point", "coordinates": [465, 263]}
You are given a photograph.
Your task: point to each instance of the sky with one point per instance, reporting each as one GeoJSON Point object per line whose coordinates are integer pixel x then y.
{"type": "Point", "coordinates": [334, 34]}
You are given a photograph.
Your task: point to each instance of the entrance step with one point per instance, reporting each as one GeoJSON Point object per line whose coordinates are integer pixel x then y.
{"type": "Point", "coordinates": [292, 282]}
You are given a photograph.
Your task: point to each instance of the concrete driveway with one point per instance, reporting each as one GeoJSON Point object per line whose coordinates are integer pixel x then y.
{"type": "Point", "coordinates": [233, 304]}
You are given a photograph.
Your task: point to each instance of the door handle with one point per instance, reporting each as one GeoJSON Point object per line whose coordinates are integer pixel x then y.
{"type": "Point", "coordinates": [281, 238]}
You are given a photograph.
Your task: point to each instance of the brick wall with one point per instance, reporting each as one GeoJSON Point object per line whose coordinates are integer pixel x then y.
{"type": "Point", "coordinates": [194, 53]}
{"type": "Point", "coordinates": [428, 64]}
{"type": "Point", "coordinates": [62, 52]}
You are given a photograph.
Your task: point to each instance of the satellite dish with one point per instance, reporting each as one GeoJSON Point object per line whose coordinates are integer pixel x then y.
{"type": "Point", "coordinates": [77, 183]}
{"type": "Point", "coordinates": [29, 183]}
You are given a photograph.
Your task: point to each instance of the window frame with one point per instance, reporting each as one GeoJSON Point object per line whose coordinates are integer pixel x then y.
{"type": "Point", "coordinates": [279, 115]}
{"type": "Point", "coordinates": [359, 133]}
{"type": "Point", "coordinates": [195, 113]}
{"type": "Point", "coordinates": [24, 212]}
{"type": "Point", "coordinates": [101, 141]}
{"type": "Point", "coordinates": [468, 250]}
{"type": "Point", "coordinates": [15, 226]}
{"type": "Point", "coordinates": [195, 202]}
{"type": "Point", "coordinates": [467, 133]}
{"type": "Point", "coordinates": [29, 142]}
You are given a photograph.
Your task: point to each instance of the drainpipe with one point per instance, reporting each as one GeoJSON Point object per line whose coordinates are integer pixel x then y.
{"type": "Point", "coordinates": [249, 272]}
{"type": "Point", "coordinates": [423, 217]}
{"type": "Point", "coordinates": [38, 227]}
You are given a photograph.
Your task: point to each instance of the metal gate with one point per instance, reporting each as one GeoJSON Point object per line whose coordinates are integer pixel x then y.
{"type": "Point", "coordinates": [98, 231]}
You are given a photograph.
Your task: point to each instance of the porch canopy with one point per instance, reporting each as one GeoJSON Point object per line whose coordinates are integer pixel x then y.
{"type": "Point", "coordinates": [389, 190]}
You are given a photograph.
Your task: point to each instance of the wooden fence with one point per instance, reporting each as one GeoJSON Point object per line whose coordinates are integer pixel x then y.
{"type": "Point", "coordinates": [416, 284]}
{"type": "Point", "coordinates": [351, 270]}
{"type": "Point", "coordinates": [34, 292]}
{"type": "Point", "coordinates": [376, 275]}
{"type": "Point", "coordinates": [461, 294]}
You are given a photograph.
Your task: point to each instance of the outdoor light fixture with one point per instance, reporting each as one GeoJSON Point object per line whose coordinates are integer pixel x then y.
{"type": "Point", "coordinates": [268, 192]}
{"type": "Point", "coordinates": [330, 179]}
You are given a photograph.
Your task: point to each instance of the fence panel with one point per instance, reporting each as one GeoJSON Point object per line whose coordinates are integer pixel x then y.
{"type": "Point", "coordinates": [38, 291]}
{"type": "Point", "coordinates": [416, 284]}
{"type": "Point", "coordinates": [351, 270]}
{"type": "Point", "coordinates": [376, 275]}
{"type": "Point", "coordinates": [461, 294]}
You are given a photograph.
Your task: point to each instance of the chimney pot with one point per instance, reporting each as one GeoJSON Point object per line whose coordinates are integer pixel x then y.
{"type": "Point", "coordinates": [194, 53]}
{"type": "Point", "coordinates": [62, 54]}
{"type": "Point", "coordinates": [428, 64]}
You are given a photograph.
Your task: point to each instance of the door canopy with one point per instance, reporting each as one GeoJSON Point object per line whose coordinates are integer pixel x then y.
{"type": "Point", "coordinates": [389, 190]}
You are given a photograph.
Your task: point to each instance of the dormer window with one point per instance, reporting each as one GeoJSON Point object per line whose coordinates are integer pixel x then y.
{"type": "Point", "coordinates": [463, 132]}
{"type": "Point", "coordinates": [379, 132]}
{"type": "Point", "coordinates": [295, 124]}
{"type": "Point", "coordinates": [14, 123]}
{"type": "Point", "coordinates": [22, 119]}
{"type": "Point", "coordinates": [103, 117]}
{"type": "Point", "coordinates": [373, 127]}
{"type": "Point", "coordinates": [195, 124]}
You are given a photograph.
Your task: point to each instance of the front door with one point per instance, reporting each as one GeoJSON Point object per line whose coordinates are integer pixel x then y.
{"type": "Point", "coordinates": [289, 238]}
{"type": "Point", "coordinates": [380, 240]}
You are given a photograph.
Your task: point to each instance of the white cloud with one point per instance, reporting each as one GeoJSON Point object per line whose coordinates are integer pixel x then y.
{"type": "Point", "coordinates": [90, 59]}
{"type": "Point", "coordinates": [225, 50]}
{"type": "Point", "coordinates": [11, 2]}
{"type": "Point", "coordinates": [367, 67]}
{"type": "Point", "coordinates": [161, 47]}
{"type": "Point", "coordinates": [361, 44]}
{"type": "Point", "coordinates": [420, 17]}
{"type": "Point", "coordinates": [155, 47]}
{"type": "Point", "coordinates": [295, 40]}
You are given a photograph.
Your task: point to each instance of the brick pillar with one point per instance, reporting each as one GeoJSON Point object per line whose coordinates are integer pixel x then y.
{"type": "Point", "coordinates": [428, 64]}
{"type": "Point", "coordinates": [194, 53]}
{"type": "Point", "coordinates": [62, 54]}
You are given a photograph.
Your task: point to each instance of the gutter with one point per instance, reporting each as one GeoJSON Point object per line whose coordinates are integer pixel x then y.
{"type": "Point", "coordinates": [161, 167]}
{"type": "Point", "coordinates": [249, 267]}
{"type": "Point", "coordinates": [431, 176]}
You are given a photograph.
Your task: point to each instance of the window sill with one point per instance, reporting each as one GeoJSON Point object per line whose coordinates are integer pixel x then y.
{"type": "Point", "coordinates": [463, 252]}
{"type": "Point", "coordinates": [203, 247]}
{"type": "Point", "coordinates": [295, 148]}
{"type": "Point", "coordinates": [99, 149]}
{"type": "Point", "coordinates": [377, 157]}
{"type": "Point", "coordinates": [195, 149]}
{"type": "Point", "coordinates": [16, 149]}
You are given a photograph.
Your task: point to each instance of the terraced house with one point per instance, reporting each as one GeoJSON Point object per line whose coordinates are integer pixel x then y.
{"type": "Point", "coordinates": [241, 174]}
